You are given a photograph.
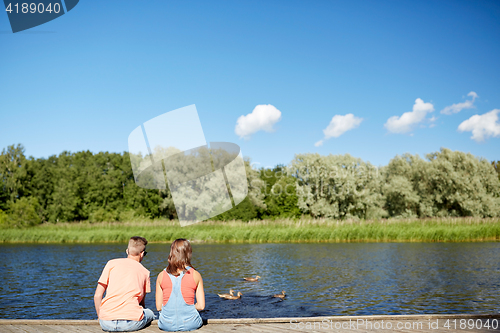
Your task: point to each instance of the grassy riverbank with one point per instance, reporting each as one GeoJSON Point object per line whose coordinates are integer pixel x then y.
{"type": "Point", "coordinates": [429, 230]}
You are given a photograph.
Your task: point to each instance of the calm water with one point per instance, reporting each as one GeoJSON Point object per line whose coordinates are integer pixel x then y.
{"type": "Point", "coordinates": [58, 281]}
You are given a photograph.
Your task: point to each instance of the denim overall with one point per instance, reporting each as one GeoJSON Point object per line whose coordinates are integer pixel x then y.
{"type": "Point", "coordinates": [176, 315]}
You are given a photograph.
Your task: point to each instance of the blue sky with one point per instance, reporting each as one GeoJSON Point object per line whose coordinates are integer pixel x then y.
{"type": "Point", "coordinates": [85, 80]}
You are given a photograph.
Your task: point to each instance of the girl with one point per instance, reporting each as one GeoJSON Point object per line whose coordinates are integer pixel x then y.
{"type": "Point", "coordinates": [176, 287]}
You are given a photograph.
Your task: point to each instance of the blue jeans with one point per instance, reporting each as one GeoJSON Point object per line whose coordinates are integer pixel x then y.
{"type": "Point", "coordinates": [127, 325]}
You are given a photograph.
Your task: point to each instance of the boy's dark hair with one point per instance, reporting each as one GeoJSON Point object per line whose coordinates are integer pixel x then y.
{"type": "Point", "coordinates": [136, 245]}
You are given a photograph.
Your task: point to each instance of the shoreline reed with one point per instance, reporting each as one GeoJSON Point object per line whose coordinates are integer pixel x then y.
{"type": "Point", "coordinates": [264, 231]}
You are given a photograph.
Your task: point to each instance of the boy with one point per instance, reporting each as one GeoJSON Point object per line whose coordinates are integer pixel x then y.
{"type": "Point", "coordinates": [126, 283]}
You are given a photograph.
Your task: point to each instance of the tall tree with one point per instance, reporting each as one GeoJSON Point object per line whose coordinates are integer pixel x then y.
{"type": "Point", "coordinates": [280, 193]}
{"type": "Point", "coordinates": [337, 186]}
{"type": "Point", "coordinates": [13, 175]}
{"type": "Point", "coordinates": [448, 183]}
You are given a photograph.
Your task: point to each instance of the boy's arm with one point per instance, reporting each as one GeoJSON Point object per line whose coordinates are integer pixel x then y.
{"type": "Point", "coordinates": [99, 293]}
{"type": "Point", "coordinates": [147, 289]}
{"type": "Point", "coordinates": [102, 285]}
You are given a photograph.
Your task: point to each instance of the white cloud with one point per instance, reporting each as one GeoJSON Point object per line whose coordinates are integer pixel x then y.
{"type": "Point", "coordinates": [482, 126]}
{"type": "Point", "coordinates": [338, 126]}
{"type": "Point", "coordinates": [456, 108]}
{"type": "Point", "coordinates": [407, 120]}
{"type": "Point", "coordinates": [473, 94]}
{"type": "Point", "coordinates": [262, 118]}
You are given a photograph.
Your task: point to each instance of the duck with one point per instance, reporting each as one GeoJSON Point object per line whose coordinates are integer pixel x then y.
{"type": "Point", "coordinates": [251, 279]}
{"type": "Point", "coordinates": [282, 295]}
{"type": "Point", "coordinates": [232, 296]}
{"type": "Point", "coordinates": [231, 293]}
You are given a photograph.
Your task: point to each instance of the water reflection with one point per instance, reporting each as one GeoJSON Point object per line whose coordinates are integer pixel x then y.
{"type": "Point", "coordinates": [58, 281]}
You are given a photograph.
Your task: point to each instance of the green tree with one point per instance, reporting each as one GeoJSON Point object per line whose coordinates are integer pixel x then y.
{"type": "Point", "coordinates": [42, 177]}
{"type": "Point", "coordinates": [13, 175]}
{"type": "Point", "coordinates": [24, 213]}
{"type": "Point", "coordinates": [337, 186]}
{"type": "Point", "coordinates": [253, 205]}
{"type": "Point", "coordinates": [271, 176]}
{"type": "Point", "coordinates": [280, 193]}
{"type": "Point", "coordinates": [461, 185]}
{"type": "Point", "coordinates": [3, 219]}
{"type": "Point", "coordinates": [398, 189]}
{"type": "Point", "coordinates": [282, 200]}
{"type": "Point", "coordinates": [101, 187]}
{"type": "Point", "coordinates": [104, 177]}
{"type": "Point", "coordinates": [449, 183]}
{"type": "Point", "coordinates": [65, 202]}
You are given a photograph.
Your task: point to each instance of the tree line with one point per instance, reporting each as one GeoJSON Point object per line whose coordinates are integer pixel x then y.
{"type": "Point", "coordinates": [100, 187]}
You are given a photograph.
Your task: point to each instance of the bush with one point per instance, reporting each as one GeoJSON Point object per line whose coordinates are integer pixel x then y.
{"type": "Point", "coordinates": [103, 215]}
{"type": "Point", "coordinates": [3, 219]}
{"type": "Point", "coordinates": [24, 212]}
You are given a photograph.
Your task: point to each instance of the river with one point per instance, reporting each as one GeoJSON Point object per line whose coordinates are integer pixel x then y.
{"type": "Point", "coordinates": [58, 281]}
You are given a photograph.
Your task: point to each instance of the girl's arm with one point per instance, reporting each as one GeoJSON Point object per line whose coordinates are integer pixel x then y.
{"type": "Point", "coordinates": [159, 292]}
{"type": "Point", "coordinates": [200, 292]}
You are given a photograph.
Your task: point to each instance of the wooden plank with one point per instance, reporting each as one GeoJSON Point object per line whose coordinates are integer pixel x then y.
{"type": "Point", "coordinates": [226, 328]}
{"type": "Point", "coordinates": [264, 328]}
{"type": "Point", "coordinates": [10, 329]}
{"type": "Point", "coordinates": [281, 327]}
{"type": "Point", "coordinates": [19, 328]}
{"type": "Point", "coordinates": [36, 328]}
{"type": "Point", "coordinates": [346, 318]}
{"type": "Point", "coordinates": [267, 325]}
{"type": "Point", "coordinates": [223, 328]}
{"type": "Point", "coordinates": [270, 320]}
{"type": "Point", "coordinates": [277, 327]}
{"type": "Point", "coordinates": [86, 328]}
{"type": "Point", "coordinates": [67, 328]}
{"type": "Point", "coordinates": [216, 328]}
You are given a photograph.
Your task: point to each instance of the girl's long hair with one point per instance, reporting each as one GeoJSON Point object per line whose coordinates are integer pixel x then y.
{"type": "Point", "coordinates": [180, 256]}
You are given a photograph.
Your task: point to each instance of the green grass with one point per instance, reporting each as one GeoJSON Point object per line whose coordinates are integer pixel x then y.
{"type": "Point", "coordinates": [267, 231]}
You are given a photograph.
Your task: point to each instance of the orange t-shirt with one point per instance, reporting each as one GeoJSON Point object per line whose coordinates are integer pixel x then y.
{"type": "Point", "coordinates": [127, 282]}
